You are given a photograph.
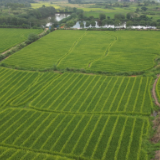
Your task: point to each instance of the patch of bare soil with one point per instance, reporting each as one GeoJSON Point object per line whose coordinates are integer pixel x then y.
{"type": "Point", "coordinates": [154, 91]}
{"type": "Point", "coordinates": [157, 156]}
{"type": "Point", "coordinates": [156, 126]}
{"type": "Point", "coordinates": [45, 30]}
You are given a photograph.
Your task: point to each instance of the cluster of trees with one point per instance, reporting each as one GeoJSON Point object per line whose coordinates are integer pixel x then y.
{"type": "Point", "coordinates": [130, 18]}
{"type": "Point", "coordinates": [29, 19]}
{"type": "Point", "coordinates": [77, 14]}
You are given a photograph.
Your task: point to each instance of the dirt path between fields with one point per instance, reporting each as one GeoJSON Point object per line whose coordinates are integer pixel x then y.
{"type": "Point", "coordinates": [156, 122]}
{"type": "Point", "coordinates": [46, 29]}
{"type": "Point", "coordinates": [154, 91]}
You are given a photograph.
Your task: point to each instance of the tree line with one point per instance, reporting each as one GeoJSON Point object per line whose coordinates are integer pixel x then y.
{"type": "Point", "coordinates": [26, 3]}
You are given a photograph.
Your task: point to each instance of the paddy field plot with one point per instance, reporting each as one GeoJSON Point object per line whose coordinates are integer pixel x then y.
{"type": "Point", "coordinates": [12, 37]}
{"type": "Point", "coordinates": [119, 51]}
{"type": "Point", "coordinates": [86, 136]}
{"type": "Point", "coordinates": [78, 93]}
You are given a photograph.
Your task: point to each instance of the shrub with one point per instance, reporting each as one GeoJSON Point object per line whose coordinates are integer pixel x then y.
{"type": "Point", "coordinates": [31, 38]}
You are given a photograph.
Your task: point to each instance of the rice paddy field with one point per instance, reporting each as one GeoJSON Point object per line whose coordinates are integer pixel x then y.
{"type": "Point", "coordinates": [48, 115]}
{"type": "Point", "coordinates": [119, 51]}
{"type": "Point", "coordinates": [12, 37]}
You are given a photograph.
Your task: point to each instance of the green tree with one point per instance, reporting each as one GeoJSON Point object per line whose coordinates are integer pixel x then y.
{"type": "Point", "coordinates": [117, 22]}
{"type": "Point", "coordinates": [102, 16]}
{"type": "Point", "coordinates": [81, 24]}
{"type": "Point", "coordinates": [137, 10]}
{"type": "Point", "coordinates": [93, 23]}
{"type": "Point", "coordinates": [119, 16]}
{"type": "Point", "coordinates": [87, 24]}
{"type": "Point", "coordinates": [104, 22]}
{"type": "Point", "coordinates": [129, 23]}
{"type": "Point", "coordinates": [144, 8]}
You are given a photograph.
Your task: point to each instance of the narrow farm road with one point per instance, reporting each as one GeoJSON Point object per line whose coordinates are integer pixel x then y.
{"type": "Point", "coordinates": [154, 91]}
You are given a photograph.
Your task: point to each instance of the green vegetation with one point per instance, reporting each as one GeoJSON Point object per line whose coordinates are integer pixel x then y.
{"type": "Point", "coordinates": [88, 136]}
{"type": "Point", "coordinates": [47, 51]}
{"type": "Point", "coordinates": [12, 37]}
{"type": "Point", "coordinates": [91, 110]}
{"type": "Point", "coordinates": [91, 50]}
{"type": "Point", "coordinates": [24, 17]}
{"type": "Point", "coordinates": [58, 100]}
{"type": "Point", "coordinates": [14, 83]}
{"type": "Point", "coordinates": [131, 51]}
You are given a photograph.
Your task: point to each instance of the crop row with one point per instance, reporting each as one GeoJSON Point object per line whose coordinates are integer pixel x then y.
{"type": "Point", "coordinates": [19, 154]}
{"type": "Point", "coordinates": [94, 94]}
{"type": "Point", "coordinates": [89, 136]}
{"type": "Point", "coordinates": [14, 83]}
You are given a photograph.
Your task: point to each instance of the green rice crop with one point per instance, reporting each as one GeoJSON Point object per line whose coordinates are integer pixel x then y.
{"type": "Point", "coordinates": [22, 84]}
{"type": "Point", "coordinates": [12, 37]}
{"type": "Point", "coordinates": [120, 51]}
{"type": "Point", "coordinates": [132, 51]}
{"type": "Point", "coordinates": [47, 51]}
{"type": "Point", "coordinates": [88, 136]}
{"type": "Point", "coordinates": [13, 83]}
